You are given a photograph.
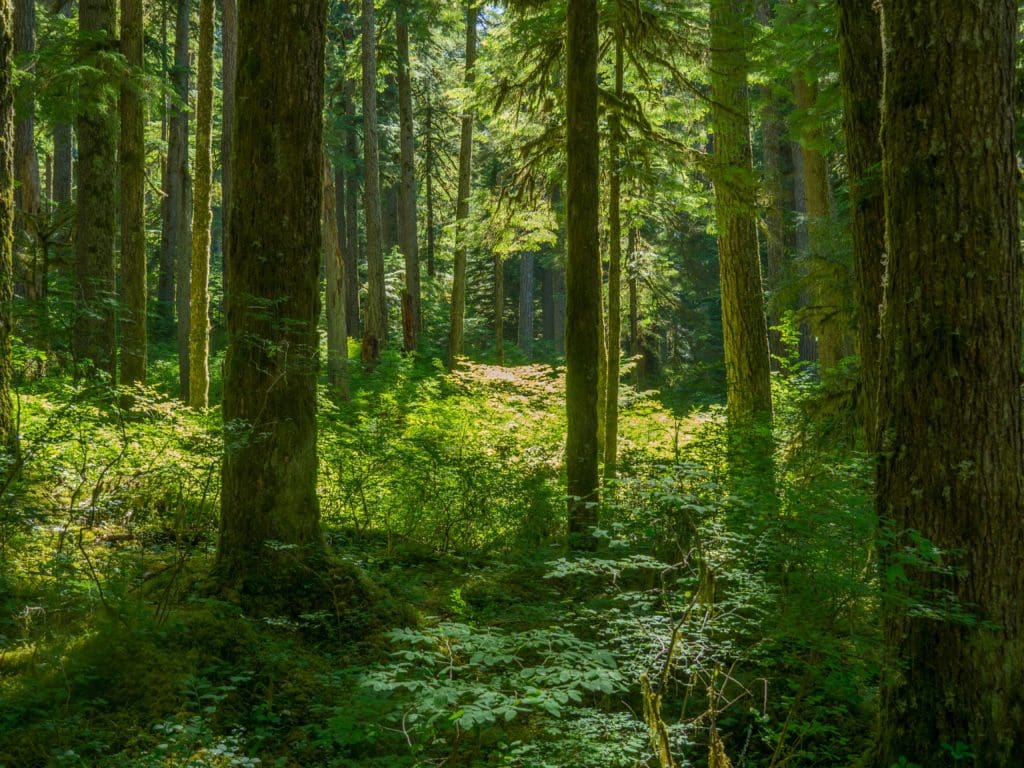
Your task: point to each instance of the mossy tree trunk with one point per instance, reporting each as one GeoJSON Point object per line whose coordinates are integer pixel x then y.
{"type": "Point", "coordinates": [458, 313]}
{"type": "Point", "coordinates": [202, 217]}
{"type": "Point", "coordinates": [93, 335]}
{"type": "Point", "coordinates": [611, 419]}
{"type": "Point", "coordinates": [8, 436]}
{"type": "Point", "coordinates": [270, 522]}
{"type": "Point", "coordinates": [860, 66]}
{"type": "Point", "coordinates": [583, 273]}
{"type": "Point", "coordinates": [133, 195]}
{"type": "Point", "coordinates": [376, 323]}
{"type": "Point", "coordinates": [407, 229]}
{"type": "Point", "coordinates": [951, 468]}
{"type": "Point", "coordinates": [745, 332]}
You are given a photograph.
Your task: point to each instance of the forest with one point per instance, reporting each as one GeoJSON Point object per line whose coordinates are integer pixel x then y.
{"type": "Point", "coordinates": [519, 384]}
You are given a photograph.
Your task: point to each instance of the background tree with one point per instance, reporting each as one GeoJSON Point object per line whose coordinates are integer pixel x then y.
{"type": "Point", "coordinates": [407, 230]}
{"type": "Point", "coordinates": [8, 434]}
{"type": "Point", "coordinates": [273, 303]}
{"type": "Point", "coordinates": [952, 465]}
{"type": "Point", "coordinates": [336, 279]}
{"type": "Point", "coordinates": [375, 328]}
{"type": "Point", "coordinates": [133, 189]}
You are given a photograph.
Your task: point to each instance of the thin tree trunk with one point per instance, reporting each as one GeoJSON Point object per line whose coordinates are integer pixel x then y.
{"type": "Point", "coordinates": [634, 302]}
{"type": "Point", "coordinates": [93, 334]}
{"type": "Point", "coordinates": [583, 273]}
{"type": "Point", "coordinates": [611, 419]}
{"type": "Point", "coordinates": [351, 252]}
{"type": "Point", "coordinates": [744, 327]}
{"type": "Point", "coordinates": [558, 306]}
{"type": "Point", "coordinates": [499, 309]}
{"type": "Point", "coordinates": [133, 193]}
{"type": "Point", "coordinates": [270, 461]}
{"type": "Point", "coordinates": [26, 160]}
{"type": "Point", "coordinates": [458, 314]}
{"type": "Point", "coordinates": [952, 472]}
{"type": "Point", "coordinates": [375, 330]}
{"type": "Point", "coordinates": [428, 172]}
{"type": "Point", "coordinates": [407, 234]}
{"type": "Point", "coordinates": [202, 217]}
{"type": "Point", "coordinates": [860, 66]}
{"type": "Point", "coordinates": [337, 338]}
{"type": "Point", "coordinates": [526, 305]}
{"type": "Point", "coordinates": [8, 425]}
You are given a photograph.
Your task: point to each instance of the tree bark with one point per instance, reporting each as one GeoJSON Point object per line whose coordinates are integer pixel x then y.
{"type": "Point", "coordinates": [407, 234]}
{"type": "Point", "coordinates": [458, 314]}
{"type": "Point", "coordinates": [583, 273]}
{"type": "Point", "coordinates": [26, 161]}
{"type": "Point", "coordinates": [952, 465]}
{"type": "Point", "coordinates": [351, 252]}
{"type": "Point", "coordinates": [93, 336]}
{"type": "Point", "coordinates": [202, 217]}
{"type": "Point", "coordinates": [133, 193]}
{"type": "Point", "coordinates": [860, 68]}
{"type": "Point", "coordinates": [337, 337]}
{"type": "Point", "coordinates": [611, 419]}
{"type": "Point", "coordinates": [375, 329]}
{"type": "Point", "coordinates": [229, 68]}
{"type": "Point", "coordinates": [8, 427]}
{"type": "Point", "coordinates": [526, 305]}
{"type": "Point", "coordinates": [745, 333]}
{"type": "Point", "coordinates": [270, 520]}
{"type": "Point", "coordinates": [428, 172]}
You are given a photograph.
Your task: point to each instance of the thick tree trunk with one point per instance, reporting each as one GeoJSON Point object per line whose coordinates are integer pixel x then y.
{"type": "Point", "coordinates": [952, 465]}
{"type": "Point", "coordinates": [526, 305]}
{"type": "Point", "coordinates": [133, 194]}
{"type": "Point", "coordinates": [93, 336]}
{"type": "Point", "coordinates": [458, 314]}
{"type": "Point", "coordinates": [407, 234]}
{"type": "Point", "coordinates": [202, 217]}
{"type": "Point", "coordinates": [376, 324]}
{"type": "Point", "coordinates": [8, 427]}
{"type": "Point", "coordinates": [583, 273]}
{"type": "Point", "coordinates": [270, 464]}
{"type": "Point", "coordinates": [26, 161]}
{"type": "Point", "coordinates": [860, 66]}
{"type": "Point", "coordinates": [611, 419]}
{"type": "Point", "coordinates": [744, 327]}
{"type": "Point", "coordinates": [337, 338]}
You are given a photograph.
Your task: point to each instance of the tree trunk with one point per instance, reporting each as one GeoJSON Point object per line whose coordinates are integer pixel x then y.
{"type": "Point", "coordinates": [818, 205]}
{"type": "Point", "coordinates": [407, 234]}
{"type": "Point", "coordinates": [202, 217]}
{"type": "Point", "coordinates": [744, 327]}
{"type": "Point", "coordinates": [270, 461]}
{"type": "Point", "coordinates": [351, 251]}
{"type": "Point", "coordinates": [458, 315]}
{"type": "Point", "coordinates": [375, 329]}
{"type": "Point", "coordinates": [558, 306]}
{"type": "Point", "coordinates": [183, 286]}
{"type": "Point", "coordinates": [93, 336]}
{"type": "Point", "coordinates": [229, 68]}
{"type": "Point", "coordinates": [860, 64]}
{"type": "Point", "coordinates": [428, 172]}
{"type": "Point", "coordinates": [499, 309]}
{"type": "Point", "coordinates": [583, 273]}
{"type": "Point", "coordinates": [337, 338]}
{"type": "Point", "coordinates": [953, 462]}
{"type": "Point", "coordinates": [634, 299]}
{"type": "Point", "coordinates": [526, 305]}
{"type": "Point", "coordinates": [28, 201]}
{"type": "Point", "coordinates": [611, 419]}
{"type": "Point", "coordinates": [8, 426]}
{"type": "Point", "coordinates": [133, 193]}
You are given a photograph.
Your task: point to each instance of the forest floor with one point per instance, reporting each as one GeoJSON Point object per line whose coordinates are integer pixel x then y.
{"type": "Point", "coordinates": [446, 490]}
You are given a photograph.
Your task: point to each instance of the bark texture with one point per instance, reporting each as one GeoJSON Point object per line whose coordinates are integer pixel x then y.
{"type": "Point", "coordinates": [860, 68]}
{"type": "Point", "coordinates": [93, 331]}
{"type": "Point", "coordinates": [202, 217]}
{"type": "Point", "coordinates": [133, 194]}
{"type": "Point", "coordinates": [351, 250]}
{"type": "Point", "coordinates": [229, 68]}
{"type": "Point", "coordinates": [376, 324]}
{"type": "Point", "coordinates": [8, 437]}
{"type": "Point", "coordinates": [270, 463]}
{"type": "Point", "coordinates": [337, 338]}
{"type": "Point", "coordinates": [614, 345]}
{"type": "Point", "coordinates": [583, 273]}
{"type": "Point", "coordinates": [458, 315]}
{"type": "Point", "coordinates": [407, 231]}
{"type": "Point", "coordinates": [745, 332]}
{"type": "Point", "coordinates": [952, 460]}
